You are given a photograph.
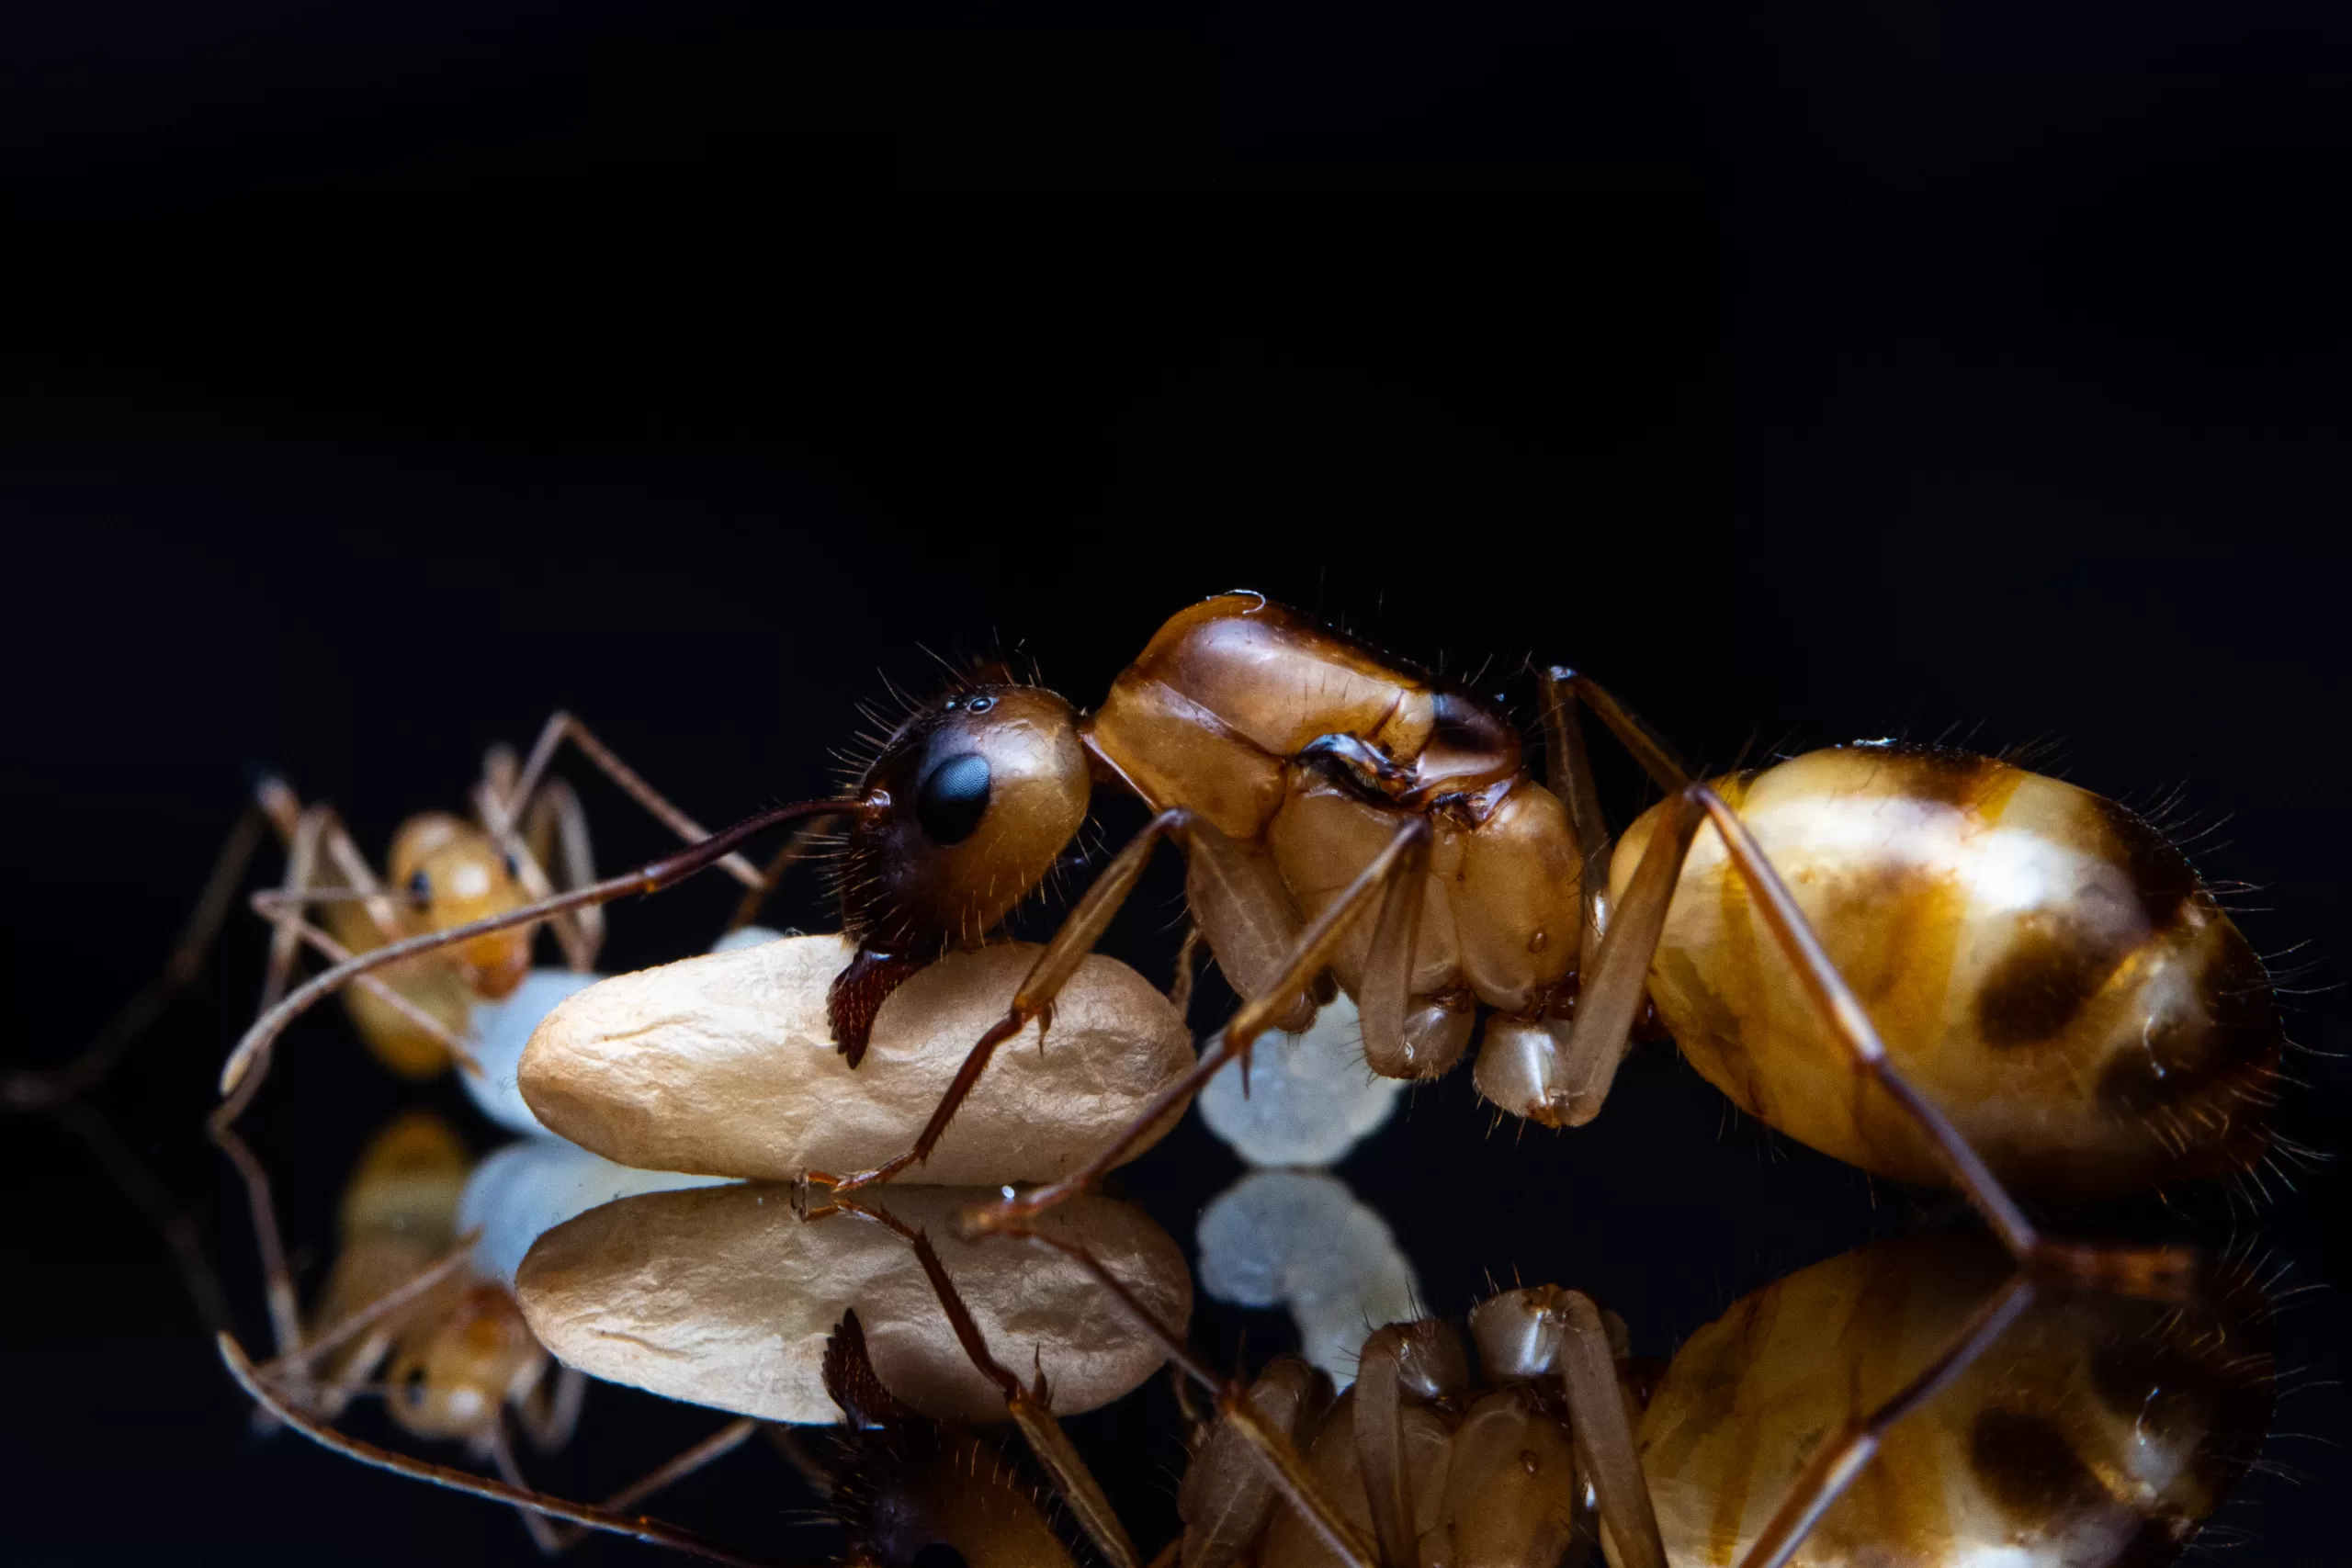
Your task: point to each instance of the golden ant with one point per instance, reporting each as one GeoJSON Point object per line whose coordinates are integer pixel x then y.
{"type": "Point", "coordinates": [444, 873]}
{"type": "Point", "coordinates": [406, 1316]}
{"type": "Point", "coordinates": [1902, 1402]}
{"type": "Point", "coordinates": [1929, 963]}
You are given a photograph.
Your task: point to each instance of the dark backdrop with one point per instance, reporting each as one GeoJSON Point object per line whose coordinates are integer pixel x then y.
{"type": "Point", "coordinates": [375, 377]}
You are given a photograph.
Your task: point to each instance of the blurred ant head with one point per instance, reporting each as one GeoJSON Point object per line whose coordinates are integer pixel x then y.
{"type": "Point", "coordinates": [454, 873]}
{"type": "Point", "coordinates": [454, 1370]}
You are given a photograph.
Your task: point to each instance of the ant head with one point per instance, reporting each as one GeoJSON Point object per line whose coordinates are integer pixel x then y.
{"type": "Point", "coordinates": [970, 805]}
{"type": "Point", "coordinates": [452, 873]}
{"type": "Point", "coordinates": [455, 1370]}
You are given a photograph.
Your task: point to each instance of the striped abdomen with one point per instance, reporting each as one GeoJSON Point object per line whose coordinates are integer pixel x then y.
{"type": "Point", "coordinates": [2039, 962]}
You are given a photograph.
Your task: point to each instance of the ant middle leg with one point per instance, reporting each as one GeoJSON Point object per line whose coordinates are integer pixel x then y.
{"type": "Point", "coordinates": [1383, 881]}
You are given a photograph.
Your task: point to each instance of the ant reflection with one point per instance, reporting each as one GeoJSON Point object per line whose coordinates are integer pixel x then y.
{"type": "Point", "coordinates": [410, 1314]}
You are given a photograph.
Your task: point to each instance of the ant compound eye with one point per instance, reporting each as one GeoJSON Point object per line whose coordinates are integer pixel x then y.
{"type": "Point", "coordinates": [952, 797]}
{"type": "Point", "coordinates": [980, 705]}
{"type": "Point", "coordinates": [514, 867]}
{"type": "Point", "coordinates": [420, 887]}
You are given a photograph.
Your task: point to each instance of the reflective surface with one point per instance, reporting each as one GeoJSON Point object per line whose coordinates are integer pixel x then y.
{"type": "Point", "coordinates": [377, 380]}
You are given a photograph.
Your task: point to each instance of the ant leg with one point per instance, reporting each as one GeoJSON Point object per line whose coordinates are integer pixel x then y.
{"type": "Point", "coordinates": [272, 907]}
{"type": "Point", "coordinates": [1306, 959]}
{"type": "Point", "coordinates": [82, 1072]}
{"type": "Point", "coordinates": [1563, 1077]}
{"type": "Point", "coordinates": [1388, 980]}
{"type": "Point", "coordinates": [560, 725]}
{"type": "Point", "coordinates": [1657, 758]}
{"type": "Point", "coordinates": [277, 1280]}
{"type": "Point", "coordinates": [1604, 1436]}
{"type": "Point", "coordinates": [1380, 1441]}
{"type": "Point", "coordinates": [544, 1534]}
{"type": "Point", "coordinates": [651, 877]}
{"type": "Point", "coordinates": [1179, 989]}
{"type": "Point", "coordinates": [1030, 1408]}
{"type": "Point", "coordinates": [1568, 768]}
{"type": "Point", "coordinates": [296, 1360]}
{"type": "Point", "coordinates": [549, 1419]}
{"type": "Point", "coordinates": [285, 938]}
{"type": "Point", "coordinates": [1283, 1466]}
{"type": "Point", "coordinates": [718, 1445]}
{"type": "Point", "coordinates": [2158, 1270]}
{"type": "Point", "coordinates": [1078, 932]}
{"type": "Point", "coordinates": [1843, 1456]}
{"type": "Point", "coordinates": [653, 1532]}
{"type": "Point", "coordinates": [554, 827]}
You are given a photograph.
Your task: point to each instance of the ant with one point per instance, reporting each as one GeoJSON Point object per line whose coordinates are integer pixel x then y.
{"type": "Point", "coordinates": [2069, 1009]}
{"type": "Point", "coordinates": [2102, 1428]}
{"type": "Point", "coordinates": [405, 1299]}
{"type": "Point", "coordinates": [442, 873]}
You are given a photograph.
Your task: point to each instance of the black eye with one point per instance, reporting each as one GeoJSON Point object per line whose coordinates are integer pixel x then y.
{"type": "Point", "coordinates": [938, 1554]}
{"type": "Point", "coordinates": [419, 887]}
{"type": "Point", "coordinates": [979, 704]}
{"type": "Point", "coordinates": [514, 868]}
{"type": "Point", "coordinates": [952, 796]}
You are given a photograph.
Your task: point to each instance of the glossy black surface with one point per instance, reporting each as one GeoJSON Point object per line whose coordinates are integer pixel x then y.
{"type": "Point", "coordinates": [373, 381]}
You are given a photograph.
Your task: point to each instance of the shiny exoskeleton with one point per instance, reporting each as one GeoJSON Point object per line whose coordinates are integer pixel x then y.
{"type": "Point", "coordinates": [2045, 967]}
{"type": "Point", "coordinates": [2085, 1430]}
{"type": "Point", "coordinates": [2041, 962]}
{"type": "Point", "coordinates": [1932, 964]}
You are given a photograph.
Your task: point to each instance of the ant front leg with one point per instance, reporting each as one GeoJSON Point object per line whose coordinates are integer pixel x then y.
{"type": "Point", "coordinates": [1035, 999]}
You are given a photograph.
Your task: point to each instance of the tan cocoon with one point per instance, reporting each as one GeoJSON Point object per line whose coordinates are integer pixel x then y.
{"type": "Point", "coordinates": [725, 1065]}
{"type": "Point", "coordinates": [723, 1296]}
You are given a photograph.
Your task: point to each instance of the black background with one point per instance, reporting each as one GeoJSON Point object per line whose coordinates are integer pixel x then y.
{"type": "Point", "coordinates": [374, 378]}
